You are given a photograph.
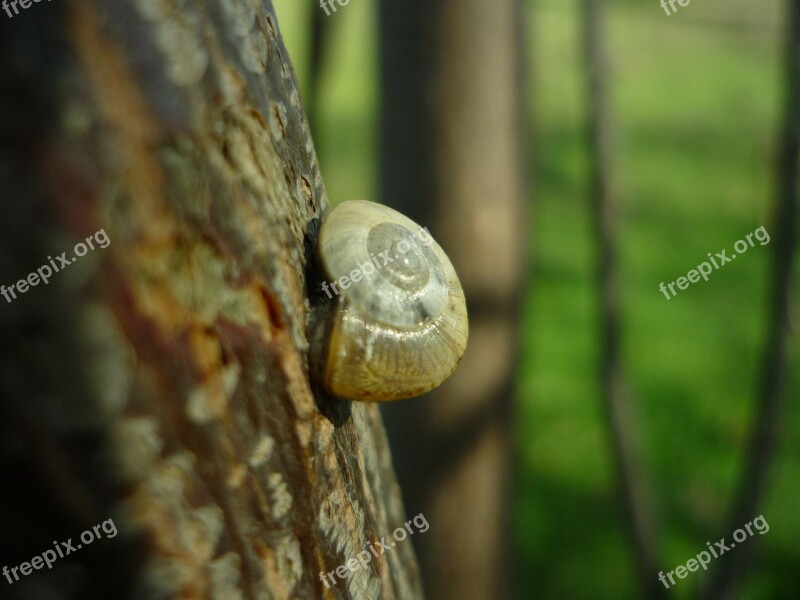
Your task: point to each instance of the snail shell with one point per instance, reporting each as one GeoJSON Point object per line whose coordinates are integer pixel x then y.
{"type": "Point", "coordinates": [400, 325]}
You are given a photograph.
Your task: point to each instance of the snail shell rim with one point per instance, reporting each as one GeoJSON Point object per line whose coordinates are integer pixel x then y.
{"type": "Point", "coordinates": [372, 359]}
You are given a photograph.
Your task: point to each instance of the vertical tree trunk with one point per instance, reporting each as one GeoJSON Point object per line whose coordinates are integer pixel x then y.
{"type": "Point", "coordinates": [451, 154]}
{"type": "Point", "coordinates": [162, 381]}
{"type": "Point", "coordinates": [772, 384]}
{"type": "Point", "coordinates": [616, 399]}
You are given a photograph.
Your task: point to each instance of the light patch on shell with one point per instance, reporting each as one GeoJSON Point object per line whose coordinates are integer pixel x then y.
{"type": "Point", "coordinates": [280, 496]}
{"type": "Point", "coordinates": [400, 325]}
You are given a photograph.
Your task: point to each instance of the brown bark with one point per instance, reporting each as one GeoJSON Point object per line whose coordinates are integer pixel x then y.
{"type": "Point", "coordinates": [163, 380]}
{"type": "Point", "coordinates": [452, 131]}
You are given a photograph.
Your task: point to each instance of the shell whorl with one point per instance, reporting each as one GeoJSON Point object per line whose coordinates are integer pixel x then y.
{"type": "Point", "coordinates": [400, 326]}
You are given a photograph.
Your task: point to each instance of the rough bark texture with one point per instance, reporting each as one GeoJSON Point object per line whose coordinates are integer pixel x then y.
{"type": "Point", "coordinates": [163, 380]}
{"type": "Point", "coordinates": [452, 160]}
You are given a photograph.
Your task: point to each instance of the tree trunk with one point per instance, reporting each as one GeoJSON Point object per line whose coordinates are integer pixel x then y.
{"type": "Point", "coordinates": [631, 491]}
{"type": "Point", "coordinates": [452, 159]}
{"type": "Point", "coordinates": [162, 381]}
{"type": "Point", "coordinates": [774, 376]}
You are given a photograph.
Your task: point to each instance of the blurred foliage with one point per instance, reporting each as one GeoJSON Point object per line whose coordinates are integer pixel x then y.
{"type": "Point", "coordinates": [347, 96]}
{"type": "Point", "coordinates": [696, 98]}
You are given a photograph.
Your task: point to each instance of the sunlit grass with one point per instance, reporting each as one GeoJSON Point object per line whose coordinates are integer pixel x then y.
{"type": "Point", "coordinates": [695, 110]}
{"type": "Point", "coordinates": [695, 103]}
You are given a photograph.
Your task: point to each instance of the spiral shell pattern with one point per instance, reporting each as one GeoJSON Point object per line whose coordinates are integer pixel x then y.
{"type": "Point", "coordinates": [400, 327]}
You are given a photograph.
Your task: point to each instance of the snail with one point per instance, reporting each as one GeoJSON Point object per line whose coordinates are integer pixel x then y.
{"type": "Point", "coordinates": [398, 327]}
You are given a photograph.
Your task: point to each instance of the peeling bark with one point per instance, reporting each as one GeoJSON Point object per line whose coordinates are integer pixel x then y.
{"type": "Point", "coordinates": [163, 380]}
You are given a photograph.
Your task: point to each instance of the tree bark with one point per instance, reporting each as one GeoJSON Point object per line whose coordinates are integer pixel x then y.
{"type": "Point", "coordinates": [452, 159]}
{"type": "Point", "coordinates": [163, 381]}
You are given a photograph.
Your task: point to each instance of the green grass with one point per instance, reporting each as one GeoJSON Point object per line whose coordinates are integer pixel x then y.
{"type": "Point", "coordinates": [695, 98]}
{"type": "Point", "coordinates": [695, 104]}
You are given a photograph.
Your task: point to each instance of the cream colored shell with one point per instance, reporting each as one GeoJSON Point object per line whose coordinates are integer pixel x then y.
{"type": "Point", "coordinates": [400, 325]}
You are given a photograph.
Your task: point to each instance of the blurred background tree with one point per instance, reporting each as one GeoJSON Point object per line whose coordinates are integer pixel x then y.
{"type": "Point", "coordinates": [698, 105]}
{"type": "Point", "coordinates": [451, 142]}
